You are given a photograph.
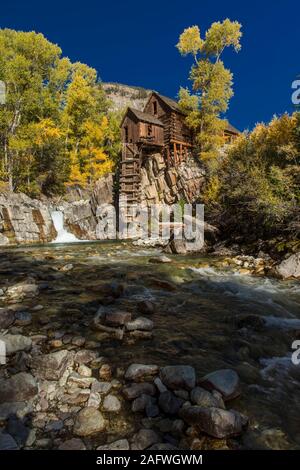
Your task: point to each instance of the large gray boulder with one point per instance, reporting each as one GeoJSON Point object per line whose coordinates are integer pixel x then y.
{"type": "Point", "coordinates": [289, 268]}
{"type": "Point", "coordinates": [176, 377]}
{"type": "Point", "coordinates": [226, 381]}
{"type": "Point", "coordinates": [215, 422]}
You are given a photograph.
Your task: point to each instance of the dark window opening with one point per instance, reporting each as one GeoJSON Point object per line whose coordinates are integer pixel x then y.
{"type": "Point", "coordinates": [154, 107]}
{"type": "Point", "coordinates": [149, 130]}
{"type": "Point", "coordinates": [126, 133]}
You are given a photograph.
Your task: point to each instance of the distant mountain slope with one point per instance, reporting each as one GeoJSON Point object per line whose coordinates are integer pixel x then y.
{"type": "Point", "coordinates": [126, 95]}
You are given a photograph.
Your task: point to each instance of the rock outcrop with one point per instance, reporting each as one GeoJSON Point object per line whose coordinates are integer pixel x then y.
{"type": "Point", "coordinates": [162, 185]}
{"type": "Point", "coordinates": [24, 220]}
{"type": "Point", "coordinates": [290, 267]}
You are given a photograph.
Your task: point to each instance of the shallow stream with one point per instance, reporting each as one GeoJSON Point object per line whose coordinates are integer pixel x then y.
{"type": "Point", "coordinates": [204, 318]}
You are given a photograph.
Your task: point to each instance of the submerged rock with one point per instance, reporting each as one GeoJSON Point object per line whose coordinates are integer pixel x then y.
{"type": "Point", "coordinates": [89, 421]}
{"type": "Point", "coordinates": [160, 259]}
{"type": "Point", "coordinates": [176, 377]}
{"type": "Point", "coordinates": [146, 307]}
{"type": "Point", "coordinates": [122, 444]}
{"type": "Point", "coordinates": [19, 409]}
{"type": "Point", "coordinates": [23, 289]}
{"type": "Point", "coordinates": [85, 356]}
{"type": "Point", "coordinates": [135, 390]}
{"type": "Point", "coordinates": [7, 317]}
{"type": "Point", "coordinates": [52, 366]}
{"type": "Point", "coordinates": [203, 398]}
{"type": "Point", "coordinates": [117, 318]}
{"type": "Point", "coordinates": [139, 372]}
{"type": "Point", "coordinates": [141, 402]}
{"type": "Point", "coordinates": [7, 442]}
{"type": "Point", "coordinates": [215, 422]}
{"type": "Point", "coordinates": [140, 323]}
{"type": "Point", "coordinates": [19, 387]}
{"type": "Point", "coordinates": [15, 343]}
{"type": "Point", "coordinates": [144, 438]}
{"type": "Point", "coordinates": [23, 318]}
{"type": "Point", "coordinates": [169, 403]}
{"type": "Point", "coordinates": [72, 444]}
{"type": "Point", "coordinates": [226, 381]}
{"type": "Point", "coordinates": [256, 322]}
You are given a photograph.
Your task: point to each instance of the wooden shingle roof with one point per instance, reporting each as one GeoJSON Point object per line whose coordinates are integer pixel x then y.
{"type": "Point", "coordinates": [232, 129]}
{"type": "Point", "coordinates": [144, 117]}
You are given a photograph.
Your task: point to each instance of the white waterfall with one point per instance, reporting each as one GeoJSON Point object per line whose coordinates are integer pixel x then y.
{"type": "Point", "coordinates": [63, 236]}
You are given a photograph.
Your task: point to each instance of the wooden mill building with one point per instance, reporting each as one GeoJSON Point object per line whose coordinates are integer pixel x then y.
{"type": "Point", "coordinates": [160, 128]}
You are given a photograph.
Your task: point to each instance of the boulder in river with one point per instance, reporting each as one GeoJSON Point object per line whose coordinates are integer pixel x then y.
{"type": "Point", "coordinates": [139, 372]}
{"type": "Point", "coordinates": [177, 247]}
{"type": "Point", "coordinates": [160, 259]}
{"type": "Point", "coordinates": [146, 307]}
{"type": "Point", "coordinates": [226, 381]}
{"type": "Point", "coordinates": [89, 421]}
{"type": "Point", "coordinates": [169, 403]}
{"type": "Point", "coordinates": [144, 439]}
{"type": "Point", "coordinates": [215, 422]}
{"type": "Point", "coordinates": [140, 323]}
{"type": "Point", "coordinates": [117, 318]}
{"type": "Point", "coordinates": [111, 403]}
{"type": "Point", "coordinates": [135, 390]}
{"type": "Point", "coordinates": [290, 267]}
{"type": "Point", "coordinates": [204, 398]}
{"type": "Point", "coordinates": [176, 377]}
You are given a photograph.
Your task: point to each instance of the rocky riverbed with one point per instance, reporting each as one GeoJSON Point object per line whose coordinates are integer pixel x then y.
{"type": "Point", "coordinates": [111, 346]}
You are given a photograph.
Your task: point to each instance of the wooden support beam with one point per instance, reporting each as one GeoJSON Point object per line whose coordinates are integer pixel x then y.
{"type": "Point", "coordinates": [175, 153]}
{"type": "Point", "coordinates": [185, 144]}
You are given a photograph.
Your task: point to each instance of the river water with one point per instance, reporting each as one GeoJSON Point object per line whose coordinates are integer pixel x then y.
{"type": "Point", "coordinates": [204, 318]}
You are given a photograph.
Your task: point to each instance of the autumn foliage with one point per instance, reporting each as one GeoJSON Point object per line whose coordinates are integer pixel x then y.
{"type": "Point", "coordinates": [55, 126]}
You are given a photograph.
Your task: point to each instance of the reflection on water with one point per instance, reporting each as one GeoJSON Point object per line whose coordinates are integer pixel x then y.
{"type": "Point", "coordinates": [196, 321]}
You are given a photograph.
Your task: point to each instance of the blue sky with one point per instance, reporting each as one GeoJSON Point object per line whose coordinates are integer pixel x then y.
{"type": "Point", "coordinates": [133, 42]}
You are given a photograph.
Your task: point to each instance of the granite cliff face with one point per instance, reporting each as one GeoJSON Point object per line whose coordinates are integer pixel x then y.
{"type": "Point", "coordinates": [24, 220]}
{"type": "Point", "coordinates": [162, 185]}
